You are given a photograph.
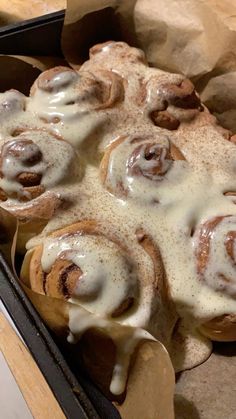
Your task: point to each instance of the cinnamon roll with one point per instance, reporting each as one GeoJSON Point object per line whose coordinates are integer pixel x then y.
{"type": "Point", "coordinates": [108, 291]}
{"type": "Point", "coordinates": [11, 102]}
{"type": "Point", "coordinates": [169, 104]}
{"type": "Point", "coordinates": [139, 165]}
{"type": "Point", "coordinates": [80, 264]}
{"type": "Point", "coordinates": [215, 252]}
{"type": "Point", "coordinates": [89, 91]}
{"type": "Point", "coordinates": [62, 95]}
{"type": "Point", "coordinates": [117, 51]}
{"type": "Point", "coordinates": [89, 266]}
{"type": "Point", "coordinates": [12, 112]}
{"type": "Point", "coordinates": [33, 165]}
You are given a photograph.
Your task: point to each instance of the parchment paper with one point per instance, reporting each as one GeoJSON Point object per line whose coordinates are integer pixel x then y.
{"type": "Point", "coordinates": [192, 37]}
{"type": "Point", "coordinates": [8, 229]}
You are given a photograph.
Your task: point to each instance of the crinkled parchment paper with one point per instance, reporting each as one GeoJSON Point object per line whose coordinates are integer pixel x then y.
{"type": "Point", "coordinates": [192, 37]}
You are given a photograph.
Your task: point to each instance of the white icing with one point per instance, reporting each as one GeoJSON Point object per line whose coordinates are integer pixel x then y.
{"type": "Point", "coordinates": [108, 277]}
{"type": "Point", "coordinates": [73, 107]}
{"type": "Point", "coordinates": [60, 80]}
{"type": "Point", "coordinates": [145, 186]}
{"type": "Point", "coordinates": [11, 102]}
{"type": "Point", "coordinates": [54, 163]}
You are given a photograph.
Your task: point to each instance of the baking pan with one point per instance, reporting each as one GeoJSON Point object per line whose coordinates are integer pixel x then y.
{"type": "Point", "coordinates": [76, 394]}
{"type": "Point", "coordinates": [38, 36]}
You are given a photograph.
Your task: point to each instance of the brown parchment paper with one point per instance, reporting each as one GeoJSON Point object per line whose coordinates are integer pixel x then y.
{"type": "Point", "coordinates": [151, 380]}
{"type": "Point", "coordinates": [198, 39]}
{"type": "Point", "coordinates": [8, 230]}
{"type": "Point", "coordinates": [192, 37]}
{"type": "Point", "coordinates": [150, 386]}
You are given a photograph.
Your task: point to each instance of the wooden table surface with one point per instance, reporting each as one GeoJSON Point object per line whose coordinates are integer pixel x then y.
{"type": "Point", "coordinates": [24, 391]}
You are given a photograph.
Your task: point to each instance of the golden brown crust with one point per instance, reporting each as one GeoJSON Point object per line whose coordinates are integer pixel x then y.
{"type": "Point", "coordinates": [36, 275]}
{"type": "Point", "coordinates": [152, 250]}
{"type": "Point", "coordinates": [112, 87]}
{"type": "Point", "coordinates": [182, 95]}
{"type": "Point", "coordinates": [43, 207]}
{"type": "Point", "coordinates": [203, 248]}
{"type": "Point", "coordinates": [222, 328]}
{"type": "Point", "coordinates": [167, 313]}
{"type": "Point", "coordinates": [164, 119]}
{"type": "Point", "coordinates": [106, 158]}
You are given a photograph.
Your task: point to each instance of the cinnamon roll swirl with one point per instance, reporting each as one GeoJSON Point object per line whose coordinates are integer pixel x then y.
{"type": "Point", "coordinates": [64, 95]}
{"type": "Point", "coordinates": [138, 165]}
{"type": "Point", "coordinates": [33, 164]}
{"type": "Point", "coordinates": [80, 264]}
{"type": "Point", "coordinates": [89, 267]}
{"type": "Point", "coordinates": [215, 252]}
{"type": "Point", "coordinates": [168, 104]}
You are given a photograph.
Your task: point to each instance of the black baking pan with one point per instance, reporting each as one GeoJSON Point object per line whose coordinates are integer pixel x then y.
{"type": "Point", "coordinates": [77, 396]}
{"type": "Point", "coordinates": [38, 36]}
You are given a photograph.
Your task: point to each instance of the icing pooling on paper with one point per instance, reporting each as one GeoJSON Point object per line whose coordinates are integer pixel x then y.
{"type": "Point", "coordinates": [125, 339]}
